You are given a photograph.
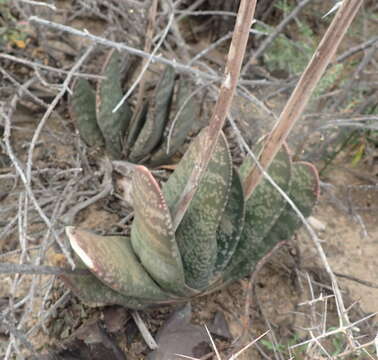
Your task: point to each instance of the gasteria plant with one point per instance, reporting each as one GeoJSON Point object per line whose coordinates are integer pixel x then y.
{"type": "Point", "coordinates": [221, 237]}
{"type": "Point", "coordinates": [142, 137]}
{"type": "Point", "coordinates": [209, 224]}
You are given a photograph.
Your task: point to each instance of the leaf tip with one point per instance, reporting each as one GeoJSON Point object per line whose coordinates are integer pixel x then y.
{"type": "Point", "coordinates": [73, 238]}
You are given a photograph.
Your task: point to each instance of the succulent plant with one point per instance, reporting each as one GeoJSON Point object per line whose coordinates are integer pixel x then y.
{"type": "Point", "coordinates": [221, 237]}
{"type": "Point", "coordinates": [141, 137]}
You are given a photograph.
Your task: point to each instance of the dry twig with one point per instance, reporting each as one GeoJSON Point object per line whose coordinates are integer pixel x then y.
{"type": "Point", "coordinates": [234, 62]}
{"type": "Point", "coordinates": [301, 95]}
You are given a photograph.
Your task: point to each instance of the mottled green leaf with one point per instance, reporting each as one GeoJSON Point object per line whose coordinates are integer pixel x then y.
{"type": "Point", "coordinates": [304, 193]}
{"type": "Point", "coordinates": [174, 187]}
{"type": "Point", "coordinates": [152, 131]}
{"type": "Point", "coordinates": [196, 234]}
{"type": "Point", "coordinates": [231, 224]}
{"type": "Point", "coordinates": [83, 111]}
{"type": "Point", "coordinates": [112, 260]}
{"type": "Point", "coordinates": [263, 208]}
{"type": "Point", "coordinates": [109, 93]}
{"type": "Point", "coordinates": [152, 234]}
{"type": "Point", "coordinates": [136, 125]}
{"type": "Point", "coordinates": [185, 118]}
{"type": "Point", "coordinates": [94, 293]}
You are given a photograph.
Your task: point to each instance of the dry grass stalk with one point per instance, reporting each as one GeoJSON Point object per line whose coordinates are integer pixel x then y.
{"type": "Point", "coordinates": [305, 87]}
{"type": "Point", "coordinates": [222, 107]}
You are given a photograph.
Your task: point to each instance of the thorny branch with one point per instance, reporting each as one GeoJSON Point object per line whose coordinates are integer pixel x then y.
{"type": "Point", "coordinates": [10, 268]}
{"type": "Point", "coordinates": [120, 46]}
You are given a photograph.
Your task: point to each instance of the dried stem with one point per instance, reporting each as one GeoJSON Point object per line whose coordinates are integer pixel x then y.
{"type": "Point", "coordinates": [150, 341]}
{"type": "Point", "coordinates": [356, 49]}
{"type": "Point", "coordinates": [107, 188]}
{"type": "Point", "coordinates": [306, 85]}
{"type": "Point", "coordinates": [121, 46]}
{"type": "Point", "coordinates": [146, 62]}
{"type": "Point", "coordinates": [35, 65]}
{"type": "Point", "coordinates": [10, 268]}
{"type": "Point", "coordinates": [223, 105]}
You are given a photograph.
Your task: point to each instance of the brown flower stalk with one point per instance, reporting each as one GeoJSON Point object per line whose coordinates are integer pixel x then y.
{"type": "Point", "coordinates": [302, 93]}
{"type": "Point", "coordinates": [232, 71]}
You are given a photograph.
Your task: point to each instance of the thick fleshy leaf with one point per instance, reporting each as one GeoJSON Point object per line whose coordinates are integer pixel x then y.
{"type": "Point", "coordinates": [184, 123]}
{"type": "Point", "coordinates": [196, 234]}
{"type": "Point", "coordinates": [112, 260]}
{"type": "Point", "coordinates": [304, 193]}
{"type": "Point", "coordinates": [83, 111]}
{"type": "Point", "coordinates": [152, 234]}
{"type": "Point", "coordinates": [109, 93]}
{"type": "Point", "coordinates": [137, 123]}
{"type": "Point", "coordinates": [152, 131]}
{"type": "Point", "coordinates": [231, 224]}
{"type": "Point", "coordinates": [263, 208]}
{"type": "Point", "coordinates": [94, 293]}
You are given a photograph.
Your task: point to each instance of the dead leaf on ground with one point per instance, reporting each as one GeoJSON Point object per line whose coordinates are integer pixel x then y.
{"type": "Point", "coordinates": [179, 336]}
